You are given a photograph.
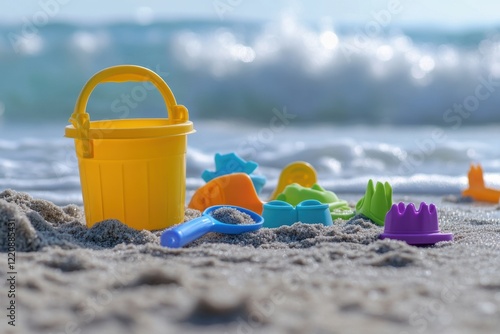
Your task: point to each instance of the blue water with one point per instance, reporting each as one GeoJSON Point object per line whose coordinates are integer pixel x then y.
{"type": "Point", "coordinates": [410, 106]}
{"type": "Point", "coordinates": [244, 70]}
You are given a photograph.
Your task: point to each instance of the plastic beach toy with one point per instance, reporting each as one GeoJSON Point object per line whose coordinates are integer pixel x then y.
{"type": "Point", "coordinates": [232, 163]}
{"type": "Point", "coordinates": [277, 213]}
{"type": "Point", "coordinates": [182, 234]}
{"type": "Point", "coordinates": [416, 227]}
{"type": "Point", "coordinates": [376, 202]}
{"type": "Point", "coordinates": [238, 189]}
{"type": "Point", "coordinates": [295, 194]}
{"type": "Point", "coordinates": [231, 189]}
{"type": "Point", "coordinates": [477, 189]}
{"type": "Point", "coordinates": [297, 172]}
{"type": "Point", "coordinates": [132, 169]}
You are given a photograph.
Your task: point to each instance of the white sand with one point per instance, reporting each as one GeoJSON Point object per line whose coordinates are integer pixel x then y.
{"type": "Point", "coordinates": [298, 279]}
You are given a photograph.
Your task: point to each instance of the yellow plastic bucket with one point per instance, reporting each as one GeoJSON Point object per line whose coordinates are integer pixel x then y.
{"type": "Point", "coordinates": [133, 170]}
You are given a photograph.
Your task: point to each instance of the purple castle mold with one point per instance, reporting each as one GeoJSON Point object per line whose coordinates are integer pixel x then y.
{"type": "Point", "coordinates": [416, 227]}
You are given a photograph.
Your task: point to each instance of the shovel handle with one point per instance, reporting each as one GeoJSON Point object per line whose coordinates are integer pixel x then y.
{"type": "Point", "coordinates": [183, 234]}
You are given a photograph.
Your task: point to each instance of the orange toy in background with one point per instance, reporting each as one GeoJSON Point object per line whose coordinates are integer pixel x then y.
{"type": "Point", "coordinates": [477, 189]}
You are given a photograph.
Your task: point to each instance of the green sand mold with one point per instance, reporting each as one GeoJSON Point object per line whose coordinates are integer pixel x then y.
{"type": "Point", "coordinates": [376, 202]}
{"type": "Point", "coordinates": [295, 193]}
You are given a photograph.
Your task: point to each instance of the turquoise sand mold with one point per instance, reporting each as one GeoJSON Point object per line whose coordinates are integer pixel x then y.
{"type": "Point", "coordinates": [278, 213]}
{"type": "Point", "coordinates": [300, 278]}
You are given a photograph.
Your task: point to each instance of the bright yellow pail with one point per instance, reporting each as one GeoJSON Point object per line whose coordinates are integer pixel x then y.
{"type": "Point", "coordinates": [133, 170]}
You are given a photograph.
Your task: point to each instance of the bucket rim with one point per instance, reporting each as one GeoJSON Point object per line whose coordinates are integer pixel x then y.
{"type": "Point", "coordinates": [103, 129]}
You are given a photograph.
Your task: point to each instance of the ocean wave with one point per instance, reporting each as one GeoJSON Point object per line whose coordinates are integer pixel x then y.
{"type": "Point", "coordinates": [243, 71]}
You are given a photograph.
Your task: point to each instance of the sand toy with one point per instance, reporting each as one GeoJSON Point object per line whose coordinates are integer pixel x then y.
{"type": "Point", "coordinates": [231, 189]}
{"type": "Point", "coordinates": [183, 234]}
{"type": "Point", "coordinates": [376, 202]}
{"type": "Point", "coordinates": [416, 227]}
{"type": "Point", "coordinates": [299, 172]}
{"type": "Point", "coordinates": [232, 163]}
{"type": "Point", "coordinates": [238, 188]}
{"type": "Point", "coordinates": [477, 189]}
{"type": "Point", "coordinates": [295, 193]}
{"type": "Point", "coordinates": [277, 213]}
{"type": "Point", "coordinates": [132, 169]}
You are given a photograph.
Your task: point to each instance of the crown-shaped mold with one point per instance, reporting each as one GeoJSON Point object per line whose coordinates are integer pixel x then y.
{"type": "Point", "coordinates": [407, 219]}
{"type": "Point", "coordinates": [376, 202]}
{"type": "Point", "coordinates": [405, 222]}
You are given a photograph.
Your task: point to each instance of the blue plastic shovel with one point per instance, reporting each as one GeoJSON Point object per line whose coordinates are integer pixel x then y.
{"type": "Point", "coordinates": [182, 234]}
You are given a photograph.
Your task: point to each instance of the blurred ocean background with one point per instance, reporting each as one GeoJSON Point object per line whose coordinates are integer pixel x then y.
{"type": "Point", "coordinates": [411, 104]}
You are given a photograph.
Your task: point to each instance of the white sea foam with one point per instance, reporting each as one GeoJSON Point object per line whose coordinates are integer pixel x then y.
{"type": "Point", "coordinates": [344, 157]}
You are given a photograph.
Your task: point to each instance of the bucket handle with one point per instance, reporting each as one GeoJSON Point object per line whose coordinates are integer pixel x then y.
{"type": "Point", "coordinates": [122, 73]}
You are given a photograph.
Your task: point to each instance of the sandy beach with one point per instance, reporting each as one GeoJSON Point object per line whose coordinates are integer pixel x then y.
{"type": "Point", "coordinates": [405, 93]}
{"type": "Point", "coordinates": [298, 279]}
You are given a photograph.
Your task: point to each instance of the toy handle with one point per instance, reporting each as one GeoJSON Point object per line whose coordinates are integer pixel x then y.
{"type": "Point", "coordinates": [122, 73]}
{"type": "Point", "coordinates": [182, 234]}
